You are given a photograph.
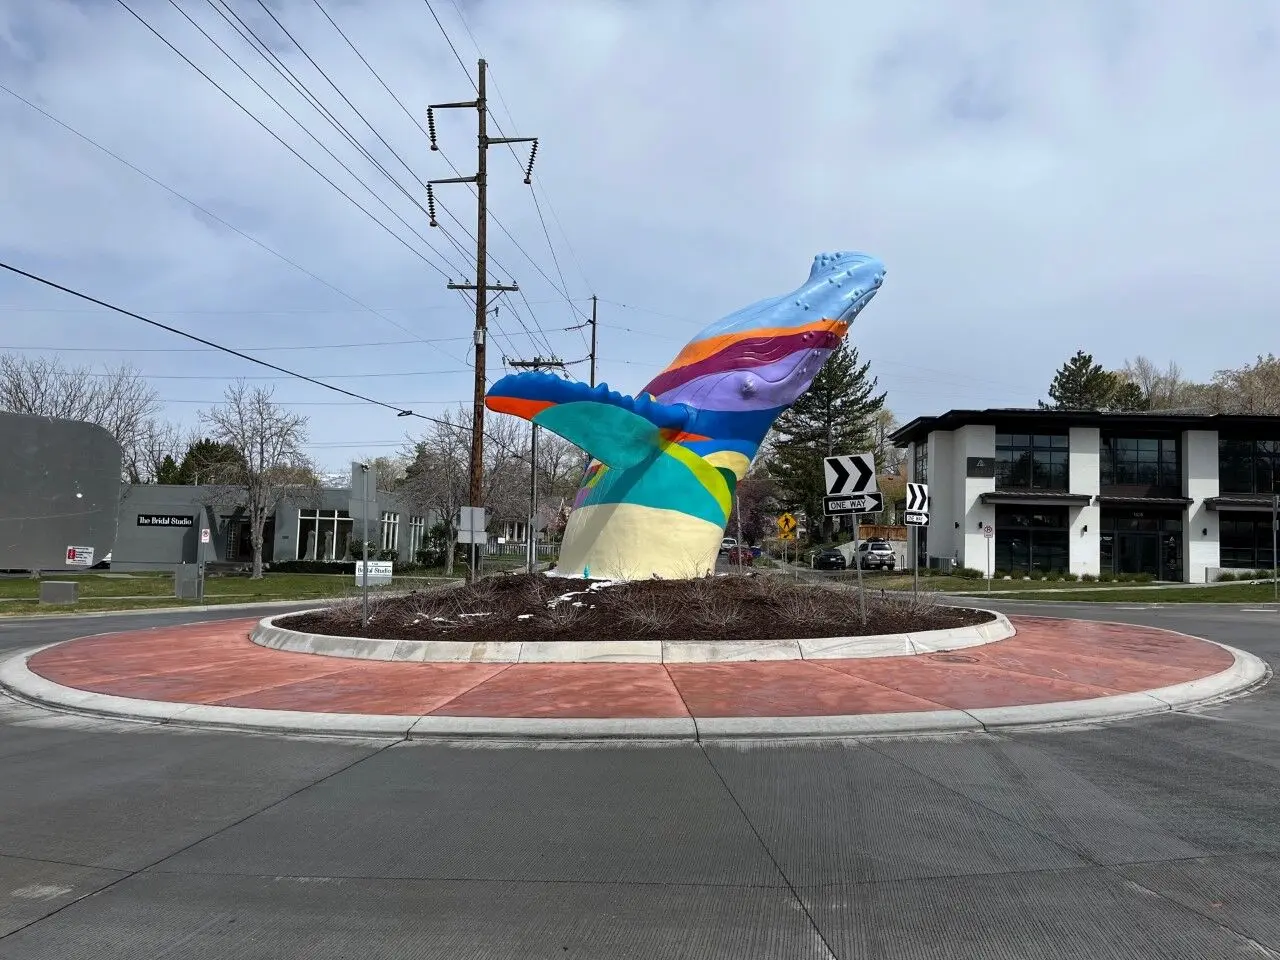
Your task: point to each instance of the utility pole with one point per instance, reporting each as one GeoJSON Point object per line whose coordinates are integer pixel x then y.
{"type": "Point", "coordinates": [594, 302]}
{"type": "Point", "coordinates": [537, 363]}
{"type": "Point", "coordinates": [481, 286]}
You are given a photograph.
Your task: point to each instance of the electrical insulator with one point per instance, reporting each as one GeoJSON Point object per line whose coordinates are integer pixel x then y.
{"type": "Point", "coordinates": [431, 127]}
{"type": "Point", "coordinates": [533, 155]}
{"type": "Point", "coordinates": [431, 207]}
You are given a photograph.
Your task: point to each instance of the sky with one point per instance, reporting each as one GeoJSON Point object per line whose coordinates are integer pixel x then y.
{"type": "Point", "coordinates": [1038, 178]}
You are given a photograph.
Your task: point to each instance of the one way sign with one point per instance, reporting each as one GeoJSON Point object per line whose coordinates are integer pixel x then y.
{"type": "Point", "coordinates": [917, 504]}
{"type": "Point", "coordinates": [850, 473]}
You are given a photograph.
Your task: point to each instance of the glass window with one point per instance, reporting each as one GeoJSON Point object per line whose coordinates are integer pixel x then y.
{"type": "Point", "coordinates": [1032, 461]}
{"type": "Point", "coordinates": [1141, 462]}
{"type": "Point", "coordinates": [323, 534]}
{"type": "Point", "coordinates": [1248, 466]}
{"type": "Point", "coordinates": [390, 527]}
{"type": "Point", "coordinates": [1245, 543]}
{"type": "Point", "coordinates": [417, 535]}
{"type": "Point", "coordinates": [921, 472]}
{"type": "Point", "coordinates": [1031, 538]}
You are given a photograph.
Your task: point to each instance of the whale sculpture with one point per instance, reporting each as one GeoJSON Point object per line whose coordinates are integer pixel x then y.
{"type": "Point", "coordinates": [658, 490]}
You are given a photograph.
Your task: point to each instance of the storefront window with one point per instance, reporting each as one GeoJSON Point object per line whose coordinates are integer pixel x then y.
{"type": "Point", "coordinates": [323, 534]}
{"type": "Point", "coordinates": [1031, 538]}
{"type": "Point", "coordinates": [1028, 461]}
{"type": "Point", "coordinates": [1245, 541]}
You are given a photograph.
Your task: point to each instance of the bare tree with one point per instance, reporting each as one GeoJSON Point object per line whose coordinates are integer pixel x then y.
{"type": "Point", "coordinates": [270, 441]}
{"type": "Point", "coordinates": [1253, 388]}
{"type": "Point", "coordinates": [438, 471]}
{"type": "Point", "coordinates": [118, 399]}
{"type": "Point", "coordinates": [559, 467]}
{"type": "Point", "coordinates": [436, 478]}
{"type": "Point", "coordinates": [1162, 389]}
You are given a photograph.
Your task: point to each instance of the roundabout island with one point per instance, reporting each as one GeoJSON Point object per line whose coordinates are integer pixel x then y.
{"type": "Point", "coordinates": [555, 660]}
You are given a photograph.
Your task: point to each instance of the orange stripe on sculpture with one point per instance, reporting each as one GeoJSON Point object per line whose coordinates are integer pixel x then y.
{"type": "Point", "coordinates": [702, 349]}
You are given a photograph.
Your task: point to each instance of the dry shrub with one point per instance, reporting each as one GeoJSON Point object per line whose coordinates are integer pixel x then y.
{"type": "Point", "coordinates": [646, 614]}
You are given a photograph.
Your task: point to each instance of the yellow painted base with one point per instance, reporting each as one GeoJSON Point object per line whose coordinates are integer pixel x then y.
{"type": "Point", "coordinates": [625, 541]}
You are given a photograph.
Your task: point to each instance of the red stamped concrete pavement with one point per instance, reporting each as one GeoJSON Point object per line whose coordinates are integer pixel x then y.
{"type": "Point", "coordinates": [1047, 661]}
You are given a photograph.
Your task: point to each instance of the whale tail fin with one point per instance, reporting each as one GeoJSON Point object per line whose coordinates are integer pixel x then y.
{"type": "Point", "coordinates": [615, 429]}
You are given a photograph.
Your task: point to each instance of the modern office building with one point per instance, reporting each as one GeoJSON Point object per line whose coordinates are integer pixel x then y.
{"type": "Point", "coordinates": [1178, 496]}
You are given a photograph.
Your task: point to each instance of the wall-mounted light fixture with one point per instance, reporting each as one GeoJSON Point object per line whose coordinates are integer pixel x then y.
{"type": "Point", "coordinates": [979, 524]}
{"type": "Point", "coordinates": [1085, 528]}
{"type": "Point", "coordinates": [957, 524]}
{"type": "Point", "coordinates": [1204, 531]}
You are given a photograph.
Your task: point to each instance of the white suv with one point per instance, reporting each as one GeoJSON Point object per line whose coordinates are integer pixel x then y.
{"type": "Point", "coordinates": [727, 544]}
{"type": "Point", "coordinates": [876, 555]}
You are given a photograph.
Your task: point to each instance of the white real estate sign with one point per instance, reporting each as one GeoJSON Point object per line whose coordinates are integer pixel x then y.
{"type": "Point", "coordinates": [379, 572]}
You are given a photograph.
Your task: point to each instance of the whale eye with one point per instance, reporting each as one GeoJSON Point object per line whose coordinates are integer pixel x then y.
{"type": "Point", "coordinates": [748, 386]}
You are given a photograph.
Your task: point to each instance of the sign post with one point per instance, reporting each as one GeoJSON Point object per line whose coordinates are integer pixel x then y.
{"type": "Point", "coordinates": [200, 560]}
{"type": "Point", "coordinates": [988, 531]}
{"type": "Point", "coordinates": [852, 489]}
{"type": "Point", "coordinates": [1275, 559]}
{"type": "Point", "coordinates": [917, 515]}
{"type": "Point", "coordinates": [786, 532]}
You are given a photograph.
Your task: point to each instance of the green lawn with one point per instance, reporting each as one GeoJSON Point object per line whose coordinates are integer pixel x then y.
{"type": "Point", "coordinates": [99, 592]}
{"type": "Point", "coordinates": [1224, 593]}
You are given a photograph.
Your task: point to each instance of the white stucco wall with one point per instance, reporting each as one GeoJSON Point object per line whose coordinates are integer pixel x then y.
{"type": "Point", "coordinates": [943, 495]}
{"type": "Point", "coordinates": [1200, 547]}
{"type": "Point", "coordinates": [1084, 465]}
{"type": "Point", "coordinates": [976, 440]}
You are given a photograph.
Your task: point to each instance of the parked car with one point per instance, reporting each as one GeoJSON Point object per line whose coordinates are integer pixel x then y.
{"type": "Point", "coordinates": [741, 556]}
{"type": "Point", "coordinates": [877, 555]}
{"type": "Point", "coordinates": [829, 559]}
{"type": "Point", "coordinates": [727, 544]}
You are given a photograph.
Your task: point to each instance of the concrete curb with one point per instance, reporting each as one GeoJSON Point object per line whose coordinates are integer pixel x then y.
{"type": "Point", "coordinates": [1246, 672]}
{"type": "Point", "coordinates": [267, 634]}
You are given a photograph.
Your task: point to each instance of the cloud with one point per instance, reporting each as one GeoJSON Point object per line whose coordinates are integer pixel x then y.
{"type": "Point", "coordinates": [1038, 177]}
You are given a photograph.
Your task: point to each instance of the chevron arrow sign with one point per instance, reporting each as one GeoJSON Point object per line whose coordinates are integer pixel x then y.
{"type": "Point", "coordinates": [850, 473]}
{"type": "Point", "coordinates": [917, 504]}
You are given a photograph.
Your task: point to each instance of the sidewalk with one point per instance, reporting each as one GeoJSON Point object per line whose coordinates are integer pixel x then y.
{"type": "Point", "coordinates": [1050, 672]}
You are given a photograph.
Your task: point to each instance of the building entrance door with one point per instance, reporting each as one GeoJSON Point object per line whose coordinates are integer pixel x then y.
{"type": "Point", "coordinates": [1137, 553]}
{"type": "Point", "coordinates": [1137, 542]}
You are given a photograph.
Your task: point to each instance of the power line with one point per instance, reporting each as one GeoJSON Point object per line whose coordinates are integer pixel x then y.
{"type": "Point", "coordinates": [327, 376]}
{"type": "Point", "coordinates": [456, 244]}
{"type": "Point", "coordinates": [563, 288]}
{"type": "Point", "coordinates": [213, 216]}
{"type": "Point", "coordinates": [408, 246]}
{"type": "Point", "coordinates": [303, 346]}
{"type": "Point", "coordinates": [400, 412]}
{"type": "Point", "coordinates": [264, 50]}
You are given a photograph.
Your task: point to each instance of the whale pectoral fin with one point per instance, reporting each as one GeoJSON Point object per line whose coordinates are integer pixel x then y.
{"type": "Point", "coordinates": [615, 429]}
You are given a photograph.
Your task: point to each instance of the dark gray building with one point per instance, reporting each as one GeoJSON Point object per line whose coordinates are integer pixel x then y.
{"type": "Point", "coordinates": [159, 528]}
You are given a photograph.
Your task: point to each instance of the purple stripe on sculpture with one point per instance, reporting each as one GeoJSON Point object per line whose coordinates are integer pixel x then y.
{"type": "Point", "coordinates": [743, 355]}
{"type": "Point", "coordinates": [761, 388]}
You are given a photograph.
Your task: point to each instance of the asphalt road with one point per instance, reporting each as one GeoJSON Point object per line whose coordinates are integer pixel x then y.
{"type": "Point", "coordinates": [1150, 838]}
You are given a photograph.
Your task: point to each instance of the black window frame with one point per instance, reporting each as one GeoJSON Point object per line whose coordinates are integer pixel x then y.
{"type": "Point", "coordinates": [1033, 460]}
{"type": "Point", "coordinates": [1032, 538]}
{"type": "Point", "coordinates": [920, 468]}
{"type": "Point", "coordinates": [1153, 461]}
{"type": "Point", "coordinates": [1248, 465]}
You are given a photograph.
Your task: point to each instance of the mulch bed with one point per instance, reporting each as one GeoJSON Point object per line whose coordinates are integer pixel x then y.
{"type": "Point", "coordinates": [517, 607]}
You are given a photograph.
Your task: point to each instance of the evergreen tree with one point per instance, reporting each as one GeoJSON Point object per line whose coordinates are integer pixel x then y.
{"type": "Point", "coordinates": [206, 461]}
{"type": "Point", "coordinates": [1081, 384]}
{"type": "Point", "coordinates": [836, 415]}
